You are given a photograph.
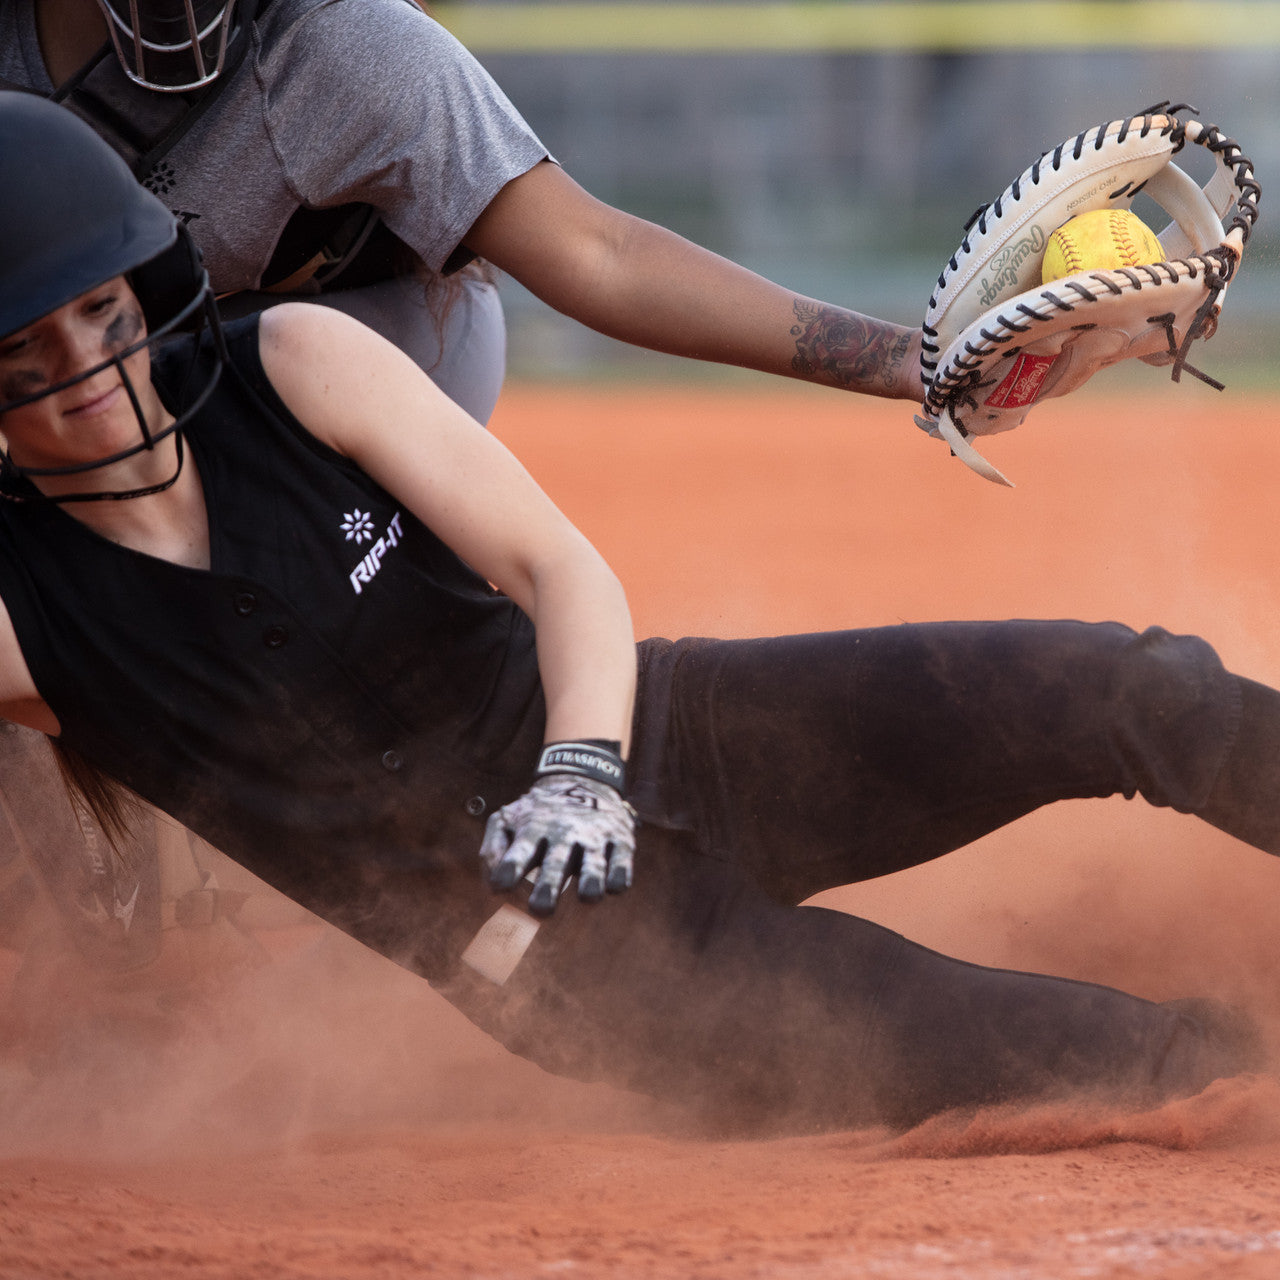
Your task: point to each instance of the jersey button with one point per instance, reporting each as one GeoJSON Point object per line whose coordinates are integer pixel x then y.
{"type": "Point", "coordinates": [392, 761]}
{"type": "Point", "coordinates": [476, 806]}
{"type": "Point", "coordinates": [245, 603]}
{"type": "Point", "coordinates": [274, 637]}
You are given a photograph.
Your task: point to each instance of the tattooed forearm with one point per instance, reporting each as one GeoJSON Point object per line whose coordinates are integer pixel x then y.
{"type": "Point", "coordinates": [847, 349]}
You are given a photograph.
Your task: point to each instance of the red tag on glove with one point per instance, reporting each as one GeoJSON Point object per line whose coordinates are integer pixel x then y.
{"type": "Point", "coordinates": [1022, 383]}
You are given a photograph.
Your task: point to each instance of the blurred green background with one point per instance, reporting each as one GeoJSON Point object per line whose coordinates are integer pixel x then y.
{"type": "Point", "coordinates": [839, 148]}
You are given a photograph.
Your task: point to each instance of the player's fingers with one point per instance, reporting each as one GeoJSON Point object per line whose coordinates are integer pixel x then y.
{"type": "Point", "coordinates": [551, 877]}
{"type": "Point", "coordinates": [621, 866]}
{"type": "Point", "coordinates": [497, 838]}
{"type": "Point", "coordinates": [591, 873]}
{"type": "Point", "coordinates": [527, 849]}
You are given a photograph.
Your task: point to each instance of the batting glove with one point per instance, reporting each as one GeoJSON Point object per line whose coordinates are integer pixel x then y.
{"type": "Point", "coordinates": [572, 820]}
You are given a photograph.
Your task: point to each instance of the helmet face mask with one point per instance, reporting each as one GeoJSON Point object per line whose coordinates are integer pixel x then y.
{"type": "Point", "coordinates": [170, 46]}
{"type": "Point", "coordinates": [118, 360]}
{"type": "Point", "coordinates": [74, 218]}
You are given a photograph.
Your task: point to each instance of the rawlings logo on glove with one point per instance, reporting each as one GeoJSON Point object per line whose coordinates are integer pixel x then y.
{"type": "Point", "coordinates": [996, 341]}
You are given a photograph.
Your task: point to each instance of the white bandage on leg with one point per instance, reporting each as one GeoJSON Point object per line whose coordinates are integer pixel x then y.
{"type": "Point", "coordinates": [500, 944]}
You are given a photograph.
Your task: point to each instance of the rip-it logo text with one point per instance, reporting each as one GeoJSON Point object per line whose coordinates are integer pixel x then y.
{"type": "Point", "coordinates": [359, 526]}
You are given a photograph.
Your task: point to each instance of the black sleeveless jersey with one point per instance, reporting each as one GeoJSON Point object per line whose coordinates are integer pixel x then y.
{"type": "Point", "coordinates": [339, 689]}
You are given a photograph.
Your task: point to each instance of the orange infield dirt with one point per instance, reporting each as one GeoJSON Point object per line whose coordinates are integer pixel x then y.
{"type": "Point", "coordinates": [327, 1116]}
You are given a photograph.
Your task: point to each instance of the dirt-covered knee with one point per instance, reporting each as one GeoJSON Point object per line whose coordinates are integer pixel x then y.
{"type": "Point", "coordinates": [1174, 715]}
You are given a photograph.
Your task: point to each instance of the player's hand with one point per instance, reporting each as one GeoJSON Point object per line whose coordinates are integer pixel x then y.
{"type": "Point", "coordinates": [564, 824]}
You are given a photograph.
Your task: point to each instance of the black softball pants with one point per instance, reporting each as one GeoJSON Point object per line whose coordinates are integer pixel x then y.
{"type": "Point", "coordinates": [768, 770]}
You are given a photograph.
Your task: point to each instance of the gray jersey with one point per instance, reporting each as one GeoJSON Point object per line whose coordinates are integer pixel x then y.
{"type": "Point", "coordinates": [336, 102]}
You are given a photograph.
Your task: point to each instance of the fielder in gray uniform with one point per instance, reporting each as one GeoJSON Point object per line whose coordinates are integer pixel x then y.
{"type": "Point", "coordinates": [272, 133]}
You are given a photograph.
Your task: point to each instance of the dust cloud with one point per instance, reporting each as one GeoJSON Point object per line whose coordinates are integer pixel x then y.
{"type": "Point", "coordinates": [764, 515]}
{"type": "Point", "coordinates": [321, 1037]}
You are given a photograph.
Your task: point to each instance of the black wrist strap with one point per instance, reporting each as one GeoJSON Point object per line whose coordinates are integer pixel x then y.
{"type": "Point", "coordinates": [596, 758]}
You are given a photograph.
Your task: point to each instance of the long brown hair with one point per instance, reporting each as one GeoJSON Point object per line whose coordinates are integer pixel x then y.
{"type": "Point", "coordinates": [442, 292]}
{"type": "Point", "coordinates": [113, 806]}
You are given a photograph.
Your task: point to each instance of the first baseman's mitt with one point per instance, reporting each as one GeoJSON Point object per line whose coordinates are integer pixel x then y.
{"type": "Point", "coordinates": [996, 341]}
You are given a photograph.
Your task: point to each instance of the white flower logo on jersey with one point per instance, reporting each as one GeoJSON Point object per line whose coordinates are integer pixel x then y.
{"type": "Point", "coordinates": [358, 526]}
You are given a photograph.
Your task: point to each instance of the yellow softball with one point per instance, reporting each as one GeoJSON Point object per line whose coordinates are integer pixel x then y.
{"type": "Point", "coordinates": [1100, 240]}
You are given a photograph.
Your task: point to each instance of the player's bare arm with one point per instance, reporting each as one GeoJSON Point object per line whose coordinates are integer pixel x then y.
{"type": "Point", "coordinates": [365, 398]}
{"type": "Point", "coordinates": [640, 283]}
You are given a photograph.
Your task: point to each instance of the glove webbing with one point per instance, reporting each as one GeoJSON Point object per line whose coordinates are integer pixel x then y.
{"type": "Point", "coordinates": [962, 376]}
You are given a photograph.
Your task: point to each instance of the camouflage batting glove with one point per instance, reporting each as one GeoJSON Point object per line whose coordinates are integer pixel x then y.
{"type": "Point", "coordinates": [572, 820]}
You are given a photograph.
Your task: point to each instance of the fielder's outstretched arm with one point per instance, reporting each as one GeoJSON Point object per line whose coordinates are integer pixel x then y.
{"type": "Point", "coordinates": [643, 284]}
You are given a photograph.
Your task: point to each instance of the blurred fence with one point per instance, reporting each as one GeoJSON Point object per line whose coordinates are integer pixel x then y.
{"type": "Point", "coordinates": [787, 138]}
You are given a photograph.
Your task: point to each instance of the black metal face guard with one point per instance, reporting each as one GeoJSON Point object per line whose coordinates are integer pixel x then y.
{"type": "Point", "coordinates": [11, 471]}
{"type": "Point", "coordinates": [134, 52]}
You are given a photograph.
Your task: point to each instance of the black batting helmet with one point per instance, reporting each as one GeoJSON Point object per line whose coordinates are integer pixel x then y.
{"type": "Point", "coordinates": [72, 218]}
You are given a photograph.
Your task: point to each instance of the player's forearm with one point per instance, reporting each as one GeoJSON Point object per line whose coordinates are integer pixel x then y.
{"type": "Point", "coordinates": [640, 283]}
{"type": "Point", "coordinates": [573, 820]}
{"type": "Point", "coordinates": [654, 289]}
{"type": "Point", "coordinates": [586, 649]}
